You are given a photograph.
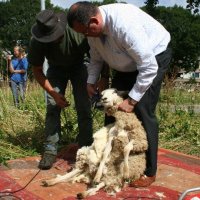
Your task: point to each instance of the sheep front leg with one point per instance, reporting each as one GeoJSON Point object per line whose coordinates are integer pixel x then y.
{"type": "Point", "coordinates": [91, 191]}
{"type": "Point", "coordinates": [127, 150]}
{"type": "Point", "coordinates": [106, 152]}
{"type": "Point", "coordinates": [60, 178]}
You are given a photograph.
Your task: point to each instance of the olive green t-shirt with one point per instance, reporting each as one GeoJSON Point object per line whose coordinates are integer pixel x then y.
{"type": "Point", "coordinates": [70, 51]}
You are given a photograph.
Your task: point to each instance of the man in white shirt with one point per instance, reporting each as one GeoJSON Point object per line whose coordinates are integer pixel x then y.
{"type": "Point", "coordinates": [135, 45]}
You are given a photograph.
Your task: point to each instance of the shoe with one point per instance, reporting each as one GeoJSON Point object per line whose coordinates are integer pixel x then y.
{"type": "Point", "coordinates": [69, 152]}
{"type": "Point", "coordinates": [47, 161]}
{"type": "Point", "coordinates": [143, 181]}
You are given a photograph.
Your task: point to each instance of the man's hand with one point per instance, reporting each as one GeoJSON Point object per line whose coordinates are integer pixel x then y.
{"type": "Point", "coordinates": [127, 105]}
{"type": "Point", "coordinates": [44, 82]}
{"type": "Point", "coordinates": [60, 100]}
{"type": "Point", "coordinates": [91, 89]}
{"type": "Point", "coordinates": [9, 57]}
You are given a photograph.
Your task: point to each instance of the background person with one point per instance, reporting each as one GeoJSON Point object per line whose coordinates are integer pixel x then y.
{"type": "Point", "coordinates": [65, 51]}
{"type": "Point", "coordinates": [135, 45]}
{"type": "Point", "coordinates": [18, 68]}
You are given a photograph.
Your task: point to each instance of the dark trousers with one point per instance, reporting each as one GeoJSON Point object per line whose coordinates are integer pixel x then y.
{"type": "Point", "coordinates": [145, 108]}
{"type": "Point", "coordinates": [59, 78]}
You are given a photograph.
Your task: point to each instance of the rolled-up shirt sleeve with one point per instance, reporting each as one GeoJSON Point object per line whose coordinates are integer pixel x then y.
{"type": "Point", "coordinates": [95, 65]}
{"type": "Point", "coordinates": [141, 52]}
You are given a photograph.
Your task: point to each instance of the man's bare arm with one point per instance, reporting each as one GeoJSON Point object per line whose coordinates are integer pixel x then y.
{"type": "Point", "coordinates": [43, 81]}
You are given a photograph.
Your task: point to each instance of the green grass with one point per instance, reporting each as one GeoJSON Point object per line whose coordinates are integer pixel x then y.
{"type": "Point", "coordinates": [179, 96]}
{"type": "Point", "coordinates": [22, 130]}
{"type": "Point", "coordinates": [179, 130]}
{"type": "Point", "coordinates": [178, 121]}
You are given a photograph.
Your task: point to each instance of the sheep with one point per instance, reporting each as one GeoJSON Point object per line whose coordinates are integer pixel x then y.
{"type": "Point", "coordinates": [124, 122]}
{"type": "Point", "coordinates": [116, 147]}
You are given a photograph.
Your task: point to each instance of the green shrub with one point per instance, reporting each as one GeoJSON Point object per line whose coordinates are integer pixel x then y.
{"type": "Point", "coordinates": [179, 122]}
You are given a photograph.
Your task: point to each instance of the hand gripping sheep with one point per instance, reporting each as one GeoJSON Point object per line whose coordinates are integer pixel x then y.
{"type": "Point", "coordinates": [116, 155]}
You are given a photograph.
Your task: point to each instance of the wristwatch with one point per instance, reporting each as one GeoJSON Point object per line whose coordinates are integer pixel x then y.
{"type": "Point", "coordinates": [132, 101]}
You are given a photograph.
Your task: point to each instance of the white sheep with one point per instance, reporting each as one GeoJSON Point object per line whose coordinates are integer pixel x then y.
{"type": "Point", "coordinates": [117, 153]}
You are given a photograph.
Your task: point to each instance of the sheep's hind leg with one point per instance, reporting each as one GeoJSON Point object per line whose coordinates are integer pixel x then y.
{"type": "Point", "coordinates": [91, 191]}
{"type": "Point", "coordinates": [60, 178]}
{"type": "Point", "coordinates": [127, 150]}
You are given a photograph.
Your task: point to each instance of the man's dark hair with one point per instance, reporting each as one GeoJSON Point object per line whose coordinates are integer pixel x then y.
{"type": "Point", "coordinates": [81, 12]}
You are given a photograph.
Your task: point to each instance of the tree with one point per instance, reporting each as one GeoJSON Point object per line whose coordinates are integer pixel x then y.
{"type": "Point", "coordinates": [193, 5]}
{"type": "Point", "coordinates": [17, 17]}
{"type": "Point", "coordinates": [16, 20]}
{"type": "Point", "coordinates": [184, 28]}
{"type": "Point", "coordinates": [151, 7]}
{"type": "Point", "coordinates": [104, 2]}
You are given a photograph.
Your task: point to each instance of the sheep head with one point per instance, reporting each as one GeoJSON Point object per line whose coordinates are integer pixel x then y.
{"type": "Point", "coordinates": [111, 98]}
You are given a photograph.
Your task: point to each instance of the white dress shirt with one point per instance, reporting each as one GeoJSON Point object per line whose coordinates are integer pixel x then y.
{"type": "Point", "coordinates": [131, 40]}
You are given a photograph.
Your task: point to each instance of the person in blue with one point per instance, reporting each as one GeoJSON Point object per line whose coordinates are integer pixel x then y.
{"type": "Point", "coordinates": [18, 68]}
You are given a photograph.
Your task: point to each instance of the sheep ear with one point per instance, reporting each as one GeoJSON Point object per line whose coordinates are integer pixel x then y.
{"type": "Point", "coordinates": [123, 94]}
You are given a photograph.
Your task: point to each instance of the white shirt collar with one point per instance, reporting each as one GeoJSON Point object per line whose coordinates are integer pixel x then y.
{"type": "Point", "coordinates": [105, 27]}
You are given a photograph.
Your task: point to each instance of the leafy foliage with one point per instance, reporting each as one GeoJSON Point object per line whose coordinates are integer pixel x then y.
{"type": "Point", "coordinates": [17, 17]}
{"type": "Point", "coordinates": [178, 112]}
{"type": "Point", "coordinates": [184, 29]}
{"type": "Point", "coordinates": [151, 7]}
{"type": "Point", "coordinates": [193, 5]}
{"type": "Point", "coordinates": [179, 129]}
{"type": "Point", "coordinates": [104, 2]}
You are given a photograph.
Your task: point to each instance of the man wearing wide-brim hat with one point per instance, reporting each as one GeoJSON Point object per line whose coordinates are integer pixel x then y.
{"type": "Point", "coordinates": [65, 51]}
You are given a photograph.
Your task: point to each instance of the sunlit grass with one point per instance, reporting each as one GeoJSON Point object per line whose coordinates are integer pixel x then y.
{"type": "Point", "coordinates": [179, 130]}
{"type": "Point", "coordinates": [179, 96]}
{"type": "Point", "coordinates": [22, 130]}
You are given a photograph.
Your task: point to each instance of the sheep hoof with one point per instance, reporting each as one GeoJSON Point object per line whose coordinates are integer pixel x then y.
{"type": "Point", "coordinates": [126, 180]}
{"type": "Point", "coordinates": [79, 196]}
{"type": "Point", "coordinates": [45, 184]}
{"type": "Point", "coordinates": [94, 184]}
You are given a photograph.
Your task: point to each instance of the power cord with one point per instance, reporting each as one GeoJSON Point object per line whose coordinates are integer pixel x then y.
{"type": "Point", "coordinates": [6, 193]}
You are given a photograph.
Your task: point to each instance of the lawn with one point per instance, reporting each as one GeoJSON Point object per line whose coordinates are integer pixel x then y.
{"type": "Point", "coordinates": [22, 130]}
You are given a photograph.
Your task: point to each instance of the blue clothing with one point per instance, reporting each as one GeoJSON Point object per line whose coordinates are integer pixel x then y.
{"type": "Point", "coordinates": [19, 64]}
{"type": "Point", "coordinates": [18, 80]}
